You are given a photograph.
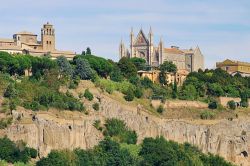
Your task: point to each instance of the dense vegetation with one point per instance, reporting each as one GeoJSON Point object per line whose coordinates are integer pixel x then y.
{"type": "Point", "coordinates": [12, 152]}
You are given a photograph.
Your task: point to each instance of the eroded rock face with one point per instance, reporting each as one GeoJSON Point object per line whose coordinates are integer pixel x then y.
{"type": "Point", "coordinates": [229, 139]}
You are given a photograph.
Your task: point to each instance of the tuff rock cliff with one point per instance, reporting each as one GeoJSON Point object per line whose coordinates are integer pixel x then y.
{"type": "Point", "coordinates": [46, 131]}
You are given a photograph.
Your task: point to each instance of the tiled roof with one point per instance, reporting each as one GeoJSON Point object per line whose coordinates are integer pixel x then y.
{"type": "Point", "coordinates": [173, 51]}
{"type": "Point", "coordinates": [6, 40]}
{"type": "Point", "coordinates": [10, 48]}
{"type": "Point", "coordinates": [25, 33]}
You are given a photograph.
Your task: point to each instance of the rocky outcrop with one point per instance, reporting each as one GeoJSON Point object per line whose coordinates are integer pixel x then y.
{"type": "Point", "coordinates": [229, 139]}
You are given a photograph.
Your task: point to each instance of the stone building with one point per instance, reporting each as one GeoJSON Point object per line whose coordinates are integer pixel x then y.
{"type": "Point", "coordinates": [234, 67]}
{"type": "Point", "coordinates": [179, 77]}
{"type": "Point", "coordinates": [144, 47]}
{"type": "Point", "coordinates": [27, 43]}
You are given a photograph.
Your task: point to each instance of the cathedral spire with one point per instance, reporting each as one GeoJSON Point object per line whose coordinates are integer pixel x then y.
{"type": "Point", "coordinates": [150, 30]}
{"type": "Point", "coordinates": [132, 31]}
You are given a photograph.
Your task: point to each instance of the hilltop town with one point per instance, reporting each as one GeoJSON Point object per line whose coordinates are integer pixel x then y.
{"type": "Point", "coordinates": [62, 108]}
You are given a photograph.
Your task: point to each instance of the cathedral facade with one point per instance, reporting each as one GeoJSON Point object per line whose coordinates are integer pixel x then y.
{"type": "Point", "coordinates": [143, 46]}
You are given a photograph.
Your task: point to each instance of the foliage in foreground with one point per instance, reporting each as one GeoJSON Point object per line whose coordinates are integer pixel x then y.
{"type": "Point", "coordinates": [12, 152]}
{"type": "Point", "coordinates": [118, 130]}
{"type": "Point", "coordinates": [153, 152]}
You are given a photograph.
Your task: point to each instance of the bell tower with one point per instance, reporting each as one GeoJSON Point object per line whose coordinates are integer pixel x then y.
{"type": "Point", "coordinates": [48, 37]}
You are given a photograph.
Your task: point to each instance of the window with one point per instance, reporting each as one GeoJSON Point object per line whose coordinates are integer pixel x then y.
{"type": "Point", "coordinates": [47, 42]}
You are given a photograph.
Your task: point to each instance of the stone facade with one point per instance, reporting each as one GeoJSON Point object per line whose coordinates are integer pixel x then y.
{"type": "Point", "coordinates": [26, 43]}
{"type": "Point", "coordinates": [179, 77]}
{"type": "Point", "coordinates": [234, 67]}
{"type": "Point", "coordinates": [143, 47]}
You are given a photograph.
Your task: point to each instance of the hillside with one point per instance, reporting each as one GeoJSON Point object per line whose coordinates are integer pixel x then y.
{"type": "Point", "coordinates": [53, 129]}
{"type": "Point", "coordinates": [66, 104]}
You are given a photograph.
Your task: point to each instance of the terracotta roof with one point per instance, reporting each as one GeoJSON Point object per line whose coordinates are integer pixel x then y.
{"type": "Point", "coordinates": [188, 51]}
{"type": "Point", "coordinates": [10, 48]}
{"type": "Point", "coordinates": [31, 44]}
{"type": "Point", "coordinates": [241, 63]}
{"type": "Point", "coordinates": [7, 40]}
{"type": "Point", "coordinates": [173, 51]}
{"type": "Point", "coordinates": [25, 33]}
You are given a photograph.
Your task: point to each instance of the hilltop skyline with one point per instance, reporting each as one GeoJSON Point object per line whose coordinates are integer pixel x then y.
{"type": "Point", "coordinates": [221, 29]}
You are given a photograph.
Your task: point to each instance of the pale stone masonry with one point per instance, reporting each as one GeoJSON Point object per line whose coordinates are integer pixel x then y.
{"type": "Point", "coordinates": [27, 43]}
{"type": "Point", "coordinates": [234, 67]}
{"type": "Point", "coordinates": [143, 47]}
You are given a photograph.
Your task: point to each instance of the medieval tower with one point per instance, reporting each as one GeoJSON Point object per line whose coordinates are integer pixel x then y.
{"type": "Point", "coordinates": [48, 37]}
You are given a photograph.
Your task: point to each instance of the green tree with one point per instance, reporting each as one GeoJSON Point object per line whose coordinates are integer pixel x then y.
{"type": "Point", "coordinates": [165, 68]}
{"type": "Point", "coordinates": [213, 105]}
{"type": "Point", "coordinates": [129, 96]}
{"type": "Point", "coordinates": [157, 152]}
{"type": "Point", "coordinates": [127, 68]}
{"type": "Point", "coordinates": [58, 158]}
{"type": "Point", "coordinates": [231, 104]}
{"type": "Point", "coordinates": [102, 66]}
{"type": "Point", "coordinates": [88, 51]}
{"type": "Point", "coordinates": [175, 91]}
{"type": "Point", "coordinates": [168, 67]}
{"type": "Point", "coordinates": [65, 68]}
{"type": "Point", "coordinates": [118, 130]}
{"type": "Point", "coordinates": [139, 63]}
{"type": "Point", "coordinates": [188, 92]}
{"type": "Point", "coordinates": [83, 69]}
{"type": "Point", "coordinates": [10, 92]}
{"type": "Point", "coordinates": [215, 89]}
{"type": "Point", "coordinates": [146, 82]}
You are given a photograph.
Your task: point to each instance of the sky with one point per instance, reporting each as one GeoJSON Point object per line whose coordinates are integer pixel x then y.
{"type": "Point", "coordinates": [221, 28]}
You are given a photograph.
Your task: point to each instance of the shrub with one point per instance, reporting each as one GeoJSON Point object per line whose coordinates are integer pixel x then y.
{"type": "Point", "coordinates": [10, 152]}
{"type": "Point", "coordinates": [245, 104]}
{"type": "Point", "coordinates": [34, 106]}
{"type": "Point", "coordinates": [10, 92]}
{"type": "Point", "coordinates": [118, 130]}
{"type": "Point", "coordinates": [33, 152]}
{"type": "Point", "coordinates": [97, 125]}
{"type": "Point", "coordinates": [138, 92]}
{"type": "Point", "coordinates": [160, 109]}
{"type": "Point", "coordinates": [231, 104]}
{"type": "Point", "coordinates": [129, 95]}
{"type": "Point", "coordinates": [207, 115]}
{"type": "Point", "coordinates": [213, 105]}
{"type": "Point", "coordinates": [3, 163]}
{"type": "Point", "coordinates": [96, 106]}
{"type": "Point", "coordinates": [12, 105]}
{"type": "Point", "coordinates": [4, 123]}
{"type": "Point", "coordinates": [88, 95]}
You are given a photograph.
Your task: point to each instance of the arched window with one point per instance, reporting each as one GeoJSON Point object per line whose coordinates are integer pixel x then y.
{"type": "Point", "coordinates": [47, 42]}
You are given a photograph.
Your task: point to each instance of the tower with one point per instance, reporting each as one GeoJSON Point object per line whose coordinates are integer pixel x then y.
{"type": "Point", "coordinates": [151, 46]}
{"type": "Point", "coordinates": [132, 38]}
{"type": "Point", "coordinates": [161, 47]}
{"type": "Point", "coordinates": [48, 37]}
{"type": "Point", "coordinates": [122, 49]}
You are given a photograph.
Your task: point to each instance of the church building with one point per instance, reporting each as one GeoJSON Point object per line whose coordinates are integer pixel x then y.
{"type": "Point", "coordinates": [143, 46]}
{"type": "Point", "coordinates": [27, 43]}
